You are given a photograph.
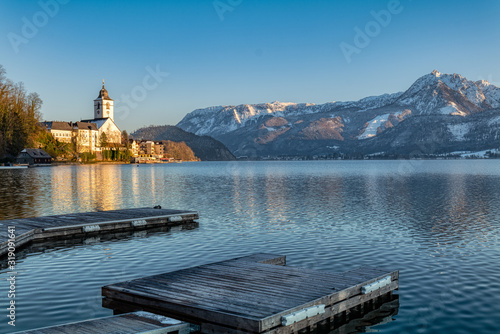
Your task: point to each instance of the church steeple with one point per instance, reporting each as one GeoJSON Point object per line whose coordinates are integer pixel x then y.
{"type": "Point", "coordinates": [103, 105]}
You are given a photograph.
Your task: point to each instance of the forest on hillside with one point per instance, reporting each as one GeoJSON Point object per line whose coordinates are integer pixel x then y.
{"type": "Point", "coordinates": [19, 114]}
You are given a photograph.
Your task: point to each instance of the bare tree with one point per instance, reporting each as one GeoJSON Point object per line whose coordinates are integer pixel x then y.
{"type": "Point", "coordinates": [19, 114]}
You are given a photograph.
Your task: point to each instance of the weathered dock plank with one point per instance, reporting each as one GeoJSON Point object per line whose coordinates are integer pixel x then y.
{"type": "Point", "coordinates": [255, 294]}
{"type": "Point", "coordinates": [131, 323]}
{"type": "Point", "coordinates": [89, 223]}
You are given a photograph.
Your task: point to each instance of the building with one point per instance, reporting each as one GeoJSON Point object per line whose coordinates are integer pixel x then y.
{"type": "Point", "coordinates": [150, 151]}
{"type": "Point", "coordinates": [134, 147]}
{"type": "Point", "coordinates": [159, 149]}
{"type": "Point", "coordinates": [103, 105]}
{"type": "Point", "coordinates": [34, 157]}
{"type": "Point", "coordinates": [147, 147]}
{"type": "Point", "coordinates": [87, 135]}
{"type": "Point", "coordinates": [62, 131]}
{"type": "Point", "coordinates": [84, 135]}
{"type": "Point", "coordinates": [103, 118]}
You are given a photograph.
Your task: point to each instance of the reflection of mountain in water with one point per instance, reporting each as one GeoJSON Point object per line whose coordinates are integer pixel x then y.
{"type": "Point", "coordinates": [448, 207]}
{"type": "Point", "coordinates": [436, 221]}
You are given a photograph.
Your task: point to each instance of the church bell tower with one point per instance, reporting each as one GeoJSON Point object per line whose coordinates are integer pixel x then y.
{"type": "Point", "coordinates": [103, 105]}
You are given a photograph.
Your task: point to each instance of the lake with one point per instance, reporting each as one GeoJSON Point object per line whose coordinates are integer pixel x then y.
{"type": "Point", "coordinates": [438, 222]}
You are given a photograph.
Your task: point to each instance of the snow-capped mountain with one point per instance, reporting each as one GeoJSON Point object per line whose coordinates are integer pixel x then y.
{"type": "Point", "coordinates": [289, 128]}
{"type": "Point", "coordinates": [450, 94]}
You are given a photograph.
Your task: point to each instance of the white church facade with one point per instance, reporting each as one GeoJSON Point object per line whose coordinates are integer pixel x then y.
{"type": "Point", "coordinates": [87, 135]}
{"type": "Point", "coordinates": [104, 118]}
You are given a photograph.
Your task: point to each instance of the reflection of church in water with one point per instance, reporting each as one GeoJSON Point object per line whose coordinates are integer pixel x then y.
{"type": "Point", "coordinates": [89, 134]}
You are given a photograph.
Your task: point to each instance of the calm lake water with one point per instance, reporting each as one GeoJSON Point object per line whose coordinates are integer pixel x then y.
{"type": "Point", "coordinates": [438, 222]}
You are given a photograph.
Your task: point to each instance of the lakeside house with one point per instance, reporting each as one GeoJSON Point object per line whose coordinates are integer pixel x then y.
{"type": "Point", "coordinates": [149, 151]}
{"type": "Point", "coordinates": [34, 157]}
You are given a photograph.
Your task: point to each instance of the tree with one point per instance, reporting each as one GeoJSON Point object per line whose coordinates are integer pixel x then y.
{"type": "Point", "coordinates": [179, 151]}
{"type": "Point", "coordinates": [125, 154]}
{"type": "Point", "coordinates": [19, 115]}
{"type": "Point", "coordinates": [125, 138]}
{"type": "Point", "coordinates": [103, 140]}
{"type": "Point", "coordinates": [52, 146]}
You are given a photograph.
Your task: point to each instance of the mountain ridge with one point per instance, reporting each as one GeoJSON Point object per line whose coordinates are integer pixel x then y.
{"type": "Point", "coordinates": [352, 126]}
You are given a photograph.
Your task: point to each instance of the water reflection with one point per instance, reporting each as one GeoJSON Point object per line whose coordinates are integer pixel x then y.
{"type": "Point", "coordinates": [448, 206]}
{"type": "Point", "coordinates": [439, 224]}
{"type": "Point", "coordinates": [20, 189]}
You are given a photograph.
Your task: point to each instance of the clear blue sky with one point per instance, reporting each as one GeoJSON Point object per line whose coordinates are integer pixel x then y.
{"type": "Point", "coordinates": [244, 52]}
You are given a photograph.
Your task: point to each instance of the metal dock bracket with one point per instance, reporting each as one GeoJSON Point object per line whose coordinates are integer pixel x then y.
{"type": "Point", "coordinates": [376, 285]}
{"type": "Point", "coordinates": [175, 219]}
{"type": "Point", "coordinates": [137, 223]}
{"type": "Point", "coordinates": [91, 228]}
{"type": "Point", "coordinates": [302, 314]}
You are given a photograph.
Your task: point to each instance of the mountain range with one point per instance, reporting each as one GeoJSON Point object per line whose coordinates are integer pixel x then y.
{"type": "Point", "coordinates": [438, 114]}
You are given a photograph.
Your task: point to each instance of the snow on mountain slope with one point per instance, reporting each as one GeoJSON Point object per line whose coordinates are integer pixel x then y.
{"type": "Point", "coordinates": [224, 119]}
{"type": "Point", "coordinates": [382, 122]}
{"type": "Point", "coordinates": [373, 126]}
{"type": "Point", "coordinates": [458, 131]}
{"type": "Point", "coordinates": [371, 102]}
{"type": "Point", "coordinates": [450, 94]}
{"type": "Point", "coordinates": [432, 94]}
{"type": "Point", "coordinates": [491, 92]}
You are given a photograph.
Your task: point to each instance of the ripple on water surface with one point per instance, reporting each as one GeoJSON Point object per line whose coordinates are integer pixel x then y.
{"type": "Point", "coordinates": [435, 221]}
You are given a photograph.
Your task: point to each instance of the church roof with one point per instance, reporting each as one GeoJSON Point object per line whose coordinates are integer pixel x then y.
{"type": "Point", "coordinates": [67, 126]}
{"type": "Point", "coordinates": [103, 93]}
{"type": "Point", "coordinates": [98, 121]}
{"type": "Point", "coordinates": [85, 126]}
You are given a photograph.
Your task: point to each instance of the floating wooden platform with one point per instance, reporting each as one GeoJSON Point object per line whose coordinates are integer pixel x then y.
{"type": "Point", "coordinates": [131, 323]}
{"type": "Point", "coordinates": [89, 223]}
{"type": "Point", "coordinates": [255, 294]}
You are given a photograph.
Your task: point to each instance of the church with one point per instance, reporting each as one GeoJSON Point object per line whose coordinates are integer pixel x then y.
{"type": "Point", "coordinates": [88, 135]}
{"type": "Point", "coordinates": [104, 118]}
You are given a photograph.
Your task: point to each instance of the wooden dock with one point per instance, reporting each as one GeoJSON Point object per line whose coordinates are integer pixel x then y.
{"type": "Point", "coordinates": [89, 224]}
{"type": "Point", "coordinates": [255, 294]}
{"type": "Point", "coordinates": [131, 323]}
